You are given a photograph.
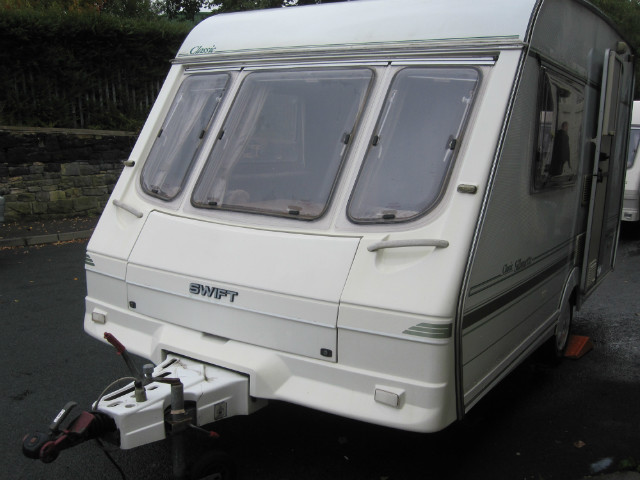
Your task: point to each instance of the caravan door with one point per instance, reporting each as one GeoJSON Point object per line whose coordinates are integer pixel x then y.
{"type": "Point", "coordinates": [607, 176]}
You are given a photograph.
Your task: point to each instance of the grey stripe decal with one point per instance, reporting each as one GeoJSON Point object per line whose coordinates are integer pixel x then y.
{"type": "Point", "coordinates": [430, 330]}
{"type": "Point", "coordinates": [480, 313]}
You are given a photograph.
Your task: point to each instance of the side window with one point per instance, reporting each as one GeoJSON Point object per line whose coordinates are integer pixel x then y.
{"type": "Point", "coordinates": [182, 132]}
{"type": "Point", "coordinates": [559, 132]}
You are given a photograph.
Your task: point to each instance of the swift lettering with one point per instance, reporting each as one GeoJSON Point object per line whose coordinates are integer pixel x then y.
{"type": "Point", "coordinates": [212, 292]}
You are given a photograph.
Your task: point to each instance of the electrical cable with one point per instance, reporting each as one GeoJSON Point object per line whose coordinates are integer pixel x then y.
{"type": "Point", "coordinates": [104, 392]}
{"type": "Point", "coordinates": [111, 459]}
{"type": "Point", "coordinates": [94, 406]}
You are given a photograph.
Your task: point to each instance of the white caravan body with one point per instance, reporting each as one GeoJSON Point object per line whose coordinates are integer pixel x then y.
{"type": "Point", "coordinates": [631, 205]}
{"type": "Point", "coordinates": [371, 208]}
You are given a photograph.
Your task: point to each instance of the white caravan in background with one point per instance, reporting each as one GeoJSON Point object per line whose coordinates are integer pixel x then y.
{"type": "Point", "coordinates": [375, 209]}
{"type": "Point", "coordinates": [631, 204]}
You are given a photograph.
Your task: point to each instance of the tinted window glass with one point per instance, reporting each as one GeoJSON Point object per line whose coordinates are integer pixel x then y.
{"type": "Point", "coordinates": [413, 147]}
{"type": "Point", "coordinates": [175, 148]}
{"type": "Point", "coordinates": [559, 133]}
{"type": "Point", "coordinates": [283, 143]}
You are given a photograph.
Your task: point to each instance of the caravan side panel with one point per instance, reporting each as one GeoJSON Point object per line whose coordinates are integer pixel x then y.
{"type": "Point", "coordinates": [531, 241]}
{"type": "Point", "coordinates": [526, 250]}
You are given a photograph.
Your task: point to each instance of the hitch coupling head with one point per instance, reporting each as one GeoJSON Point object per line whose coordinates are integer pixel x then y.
{"type": "Point", "coordinates": [86, 426]}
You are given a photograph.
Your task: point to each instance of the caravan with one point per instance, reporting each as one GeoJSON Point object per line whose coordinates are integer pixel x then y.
{"type": "Point", "coordinates": [375, 209]}
{"type": "Point", "coordinates": [631, 205]}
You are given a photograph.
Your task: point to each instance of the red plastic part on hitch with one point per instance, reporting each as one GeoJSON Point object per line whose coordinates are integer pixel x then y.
{"type": "Point", "coordinates": [86, 426]}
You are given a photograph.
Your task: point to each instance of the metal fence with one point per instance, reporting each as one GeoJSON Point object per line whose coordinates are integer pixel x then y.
{"type": "Point", "coordinates": [117, 101]}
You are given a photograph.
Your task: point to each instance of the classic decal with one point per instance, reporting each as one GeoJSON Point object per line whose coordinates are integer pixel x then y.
{"type": "Point", "coordinates": [202, 50]}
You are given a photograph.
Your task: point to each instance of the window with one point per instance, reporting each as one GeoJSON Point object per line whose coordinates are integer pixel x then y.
{"type": "Point", "coordinates": [179, 139]}
{"type": "Point", "coordinates": [283, 143]}
{"type": "Point", "coordinates": [634, 140]}
{"type": "Point", "coordinates": [559, 133]}
{"type": "Point", "coordinates": [412, 150]}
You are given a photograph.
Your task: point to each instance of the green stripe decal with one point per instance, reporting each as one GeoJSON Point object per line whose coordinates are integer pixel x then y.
{"type": "Point", "coordinates": [88, 260]}
{"type": "Point", "coordinates": [430, 330]}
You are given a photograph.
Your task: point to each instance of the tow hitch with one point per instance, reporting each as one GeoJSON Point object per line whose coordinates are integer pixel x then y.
{"type": "Point", "coordinates": [47, 446]}
{"type": "Point", "coordinates": [165, 401]}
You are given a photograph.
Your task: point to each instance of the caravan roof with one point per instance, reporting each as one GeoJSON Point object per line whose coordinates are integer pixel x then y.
{"type": "Point", "coordinates": [362, 23]}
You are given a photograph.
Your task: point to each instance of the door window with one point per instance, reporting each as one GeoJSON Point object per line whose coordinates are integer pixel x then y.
{"type": "Point", "coordinates": [634, 140]}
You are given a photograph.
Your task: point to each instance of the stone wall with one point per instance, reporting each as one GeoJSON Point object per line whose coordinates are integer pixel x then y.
{"type": "Point", "coordinates": [58, 173]}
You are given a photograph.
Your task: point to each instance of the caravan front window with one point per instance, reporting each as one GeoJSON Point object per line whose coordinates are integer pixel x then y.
{"type": "Point", "coordinates": [413, 146]}
{"type": "Point", "coordinates": [178, 140]}
{"type": "Point", "coordinates": [283, 143]}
